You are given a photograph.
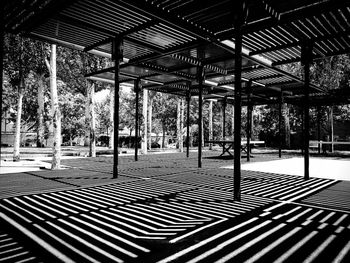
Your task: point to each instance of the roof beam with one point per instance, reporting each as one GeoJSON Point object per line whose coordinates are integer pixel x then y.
{"type": "Point", "coordinates": [137, 28]}
{"type": "Point", "coordinates": [298, 43]}
{"type": "Point", "coordinates": [153, 11]}
{"type": "Point", "coordinates": [271, 10]}
{"type": "Point", "coordinates": [169, 51]}
{"type": "Point", "coordinates": [98, 44]}
{"type": "Point", "coordinates": [196, 62]}
{"type": "Point", "coordinates": [287, 17]}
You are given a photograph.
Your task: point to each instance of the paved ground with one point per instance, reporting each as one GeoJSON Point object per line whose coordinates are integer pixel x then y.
{"type": "Point", "coordinates": [164, 209]}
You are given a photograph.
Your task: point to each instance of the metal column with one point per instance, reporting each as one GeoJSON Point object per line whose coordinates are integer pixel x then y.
{"type": "Point", "coordinates": [137, 93]}
{"type": "Point", "coordinates": [249, 119]}
{"type": "Point", "coordinates": [200, 76]}
{"type": "Point", "coordinates": [117, 55]}
{"type": "Point", "coordinates": [306, 59]}
{"type": "Point", "coordinates": [239, 7]}
{"type": "Point", "coordinates": [188, 99]}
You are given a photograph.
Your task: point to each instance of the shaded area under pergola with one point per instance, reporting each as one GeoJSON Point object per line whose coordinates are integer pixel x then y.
{"type": "Point", "coordinates": [190, 48]}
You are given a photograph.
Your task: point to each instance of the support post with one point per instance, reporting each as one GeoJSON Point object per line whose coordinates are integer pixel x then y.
{"type": "Point", "coordinates": [200, 76]}
{"type": "Point", "coordinates": [306, 59]}
{"type": "Point", "coordinates": [188, 99]}
{"type": "Point", "coordinates": [280, 125]}
{"type": "Point", "coordinates": [117, 55]}
{"type": "Point", "coordinates": [238, 22]}
{"type": "Point", "coordinates": [319, 129]}
{"type": "Point", "coordinates": [137, 93]}
{"type": "Point", "coordinates": [249, 119]}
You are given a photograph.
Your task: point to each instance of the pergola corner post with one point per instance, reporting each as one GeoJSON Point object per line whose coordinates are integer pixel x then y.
{"type": "Point", "coordinates": [306, 59]}
{"type": "Point", "coordinates": [137, 88]}
{"type": "Point", "coordinates": [188, 99]}
{"type": "Point", "coordinates": [200, 77]}
{"type": "Point", "coordinates": [249, 119]}
{"type": "Point", "coordinates": [240, 8]}
{"type": "Point", "coordinates": [117, 56]}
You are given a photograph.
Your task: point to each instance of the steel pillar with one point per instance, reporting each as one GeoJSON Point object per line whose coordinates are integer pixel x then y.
{"type": "Point", "coordinates": [137, 93]}
{"type": "Point", "coordinates": [117, 56]}
{"type": "Point", "coordinates": [188, 99]}
{"type": "Point", "coordinates": [240, 9]}
{"type": "Point", "coordinates": [200, 76]}
{"type": "Point", "coordinates": [249, 119]}
{"type": "Point", "coordinates": [306, 59]}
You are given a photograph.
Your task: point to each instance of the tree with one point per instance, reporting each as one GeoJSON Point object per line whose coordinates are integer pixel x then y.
{"type": "Point", "coordinates": [90, 118]}
{"type": "Point", "coordinates": [210, 123]}
{"type": "Point", "coordinates": [165, 108]}
{"type": "Point", "coordinates": [179, 123]}
{"type": "Point", "coordinates": [73, 114]}
{"type": "Point", "coordinates": [144, 115]}
{"type": "Point", "coordinates": [55, 111]}
{"type": "Point", "coordinates": [151, 95]}
{"type": "Point", "coordinates": [111, 115]}
{"type": "Point", "coordinates": [21, 87]}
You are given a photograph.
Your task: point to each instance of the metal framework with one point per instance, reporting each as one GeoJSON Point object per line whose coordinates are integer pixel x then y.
{"type": "Point", "coordinates": [169, 46]}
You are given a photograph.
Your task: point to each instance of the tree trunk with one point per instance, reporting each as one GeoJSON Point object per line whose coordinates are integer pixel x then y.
{"type": "Point", "coordinates": [210, 124]}
{"type": "Point", "coordinates": [41, 101]}
{"type": "Point", "coordinates": [129, 142]}
{"type": "Point", "coordinates": [163, 128]}
{"type": "Point", "coordinates": [331, 128]}
{"type": "Point", "coordinates": [87, 117]}
{"type": "Point", "coordinates": [144, 112]}
{"type": "Point", "coordinates": [182, 112]}
{"type": "Point", "coordinates": [178, 113]}
{"type": "Point", "coordinates": [55, 111]}
{"type": "Point", "coordinates": [111, 117]}
{"type": "Point", "coordinates": [203, 127]}
{"type": "Point", "coordinates": [149, 109]}
{"type": "Point", "coordinates": [233, 121]}
{"type": "Point", "coordinates": [285, 113]}
{"type": "Point", "coordinates": [92, 120]}
{"type": "Point", "coordinates": [17, 142]}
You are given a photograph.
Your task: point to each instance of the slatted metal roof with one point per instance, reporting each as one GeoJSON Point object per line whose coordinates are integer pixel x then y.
{"type": "Point", "coordinates": [165, 41]}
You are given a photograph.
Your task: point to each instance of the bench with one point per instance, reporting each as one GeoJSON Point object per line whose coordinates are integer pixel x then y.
{"type": "Point", "coordinates": [323, 145]}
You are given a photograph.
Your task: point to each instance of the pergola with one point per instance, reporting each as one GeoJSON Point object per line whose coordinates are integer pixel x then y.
{"type": "Point", "coordinates": [211, 49]}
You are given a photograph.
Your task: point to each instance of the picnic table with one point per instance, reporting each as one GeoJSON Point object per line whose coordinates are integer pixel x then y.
{"type": "Point", "coordinates": [228, 144]}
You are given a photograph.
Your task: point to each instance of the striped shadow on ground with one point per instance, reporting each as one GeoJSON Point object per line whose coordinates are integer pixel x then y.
{"type": "Point", "coordinates": [13, 250]}
{"type": "Point", "coordinates": [272, 186]}
{"type": "Point", "coordinates": [287, 233]}
{"type": "Point", "coordinates": [336, 196]}
{"type": "Point", "coordinates": [123, 222]}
